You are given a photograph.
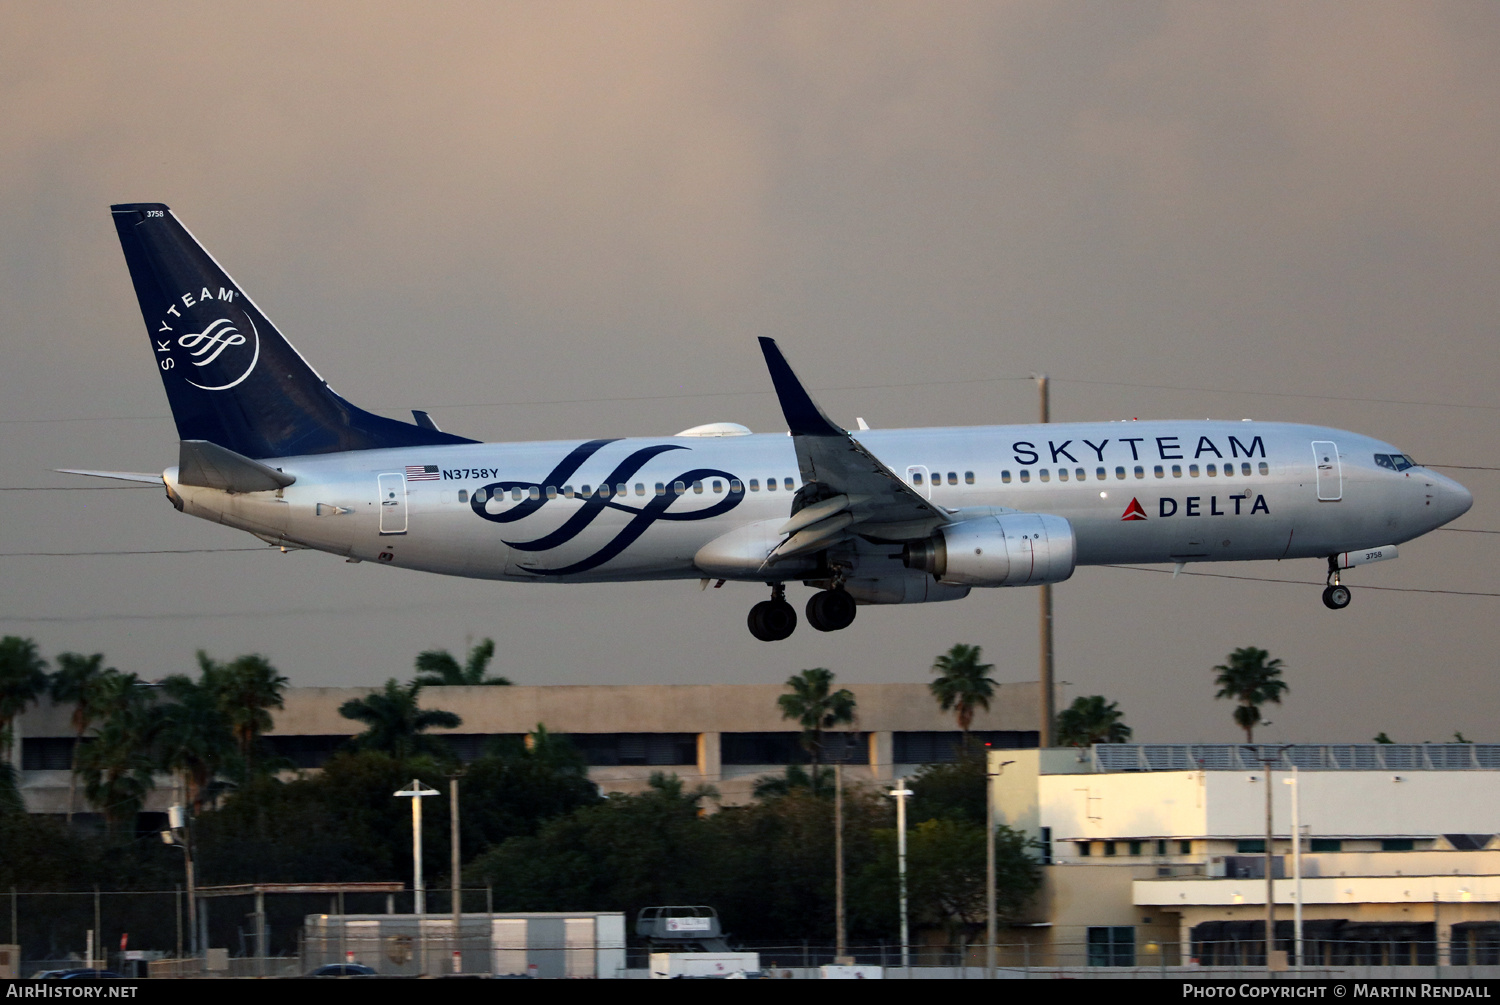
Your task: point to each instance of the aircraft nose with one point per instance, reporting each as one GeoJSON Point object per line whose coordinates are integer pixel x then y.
{"type": "Point", "coordinates": [1450, 500]}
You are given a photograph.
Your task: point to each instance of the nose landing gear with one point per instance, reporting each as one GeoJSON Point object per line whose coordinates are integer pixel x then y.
{"type": "Point", "coordinates": [773, 620]}
{"type": "Point", "coordinates": [1336, 596]}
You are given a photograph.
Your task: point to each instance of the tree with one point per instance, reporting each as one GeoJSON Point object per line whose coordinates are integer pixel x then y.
{"type": "Point", "coordinates": [1091, 720]}
{"type": "Point", "coordinates": [117, 766]}
{"type": "Point", "coordinates": [194, 738]}
{"type": "Point", "coordinates": [397, 724]}
{"type": "Point", "coordinates": [1382, 738]}
{"type": "Point", "coordinates": [952, 791]}
{"type": "Point", "coordinates": [794, 779]}
{"type": "Point", "coordinates": [248, 688]}
{"type": "Point", "coordinates": [964, 685]}
{"type": "Point", "coordinates": [78, 681]}
{"type": "Point", "coordinates": [438, 668]}
{"type": "Point", "coordinates": [23, 679]}
{"type": "Point", "coordinates": [1252, 680]}
{"type": "Point", "coordinates": [816, 707]}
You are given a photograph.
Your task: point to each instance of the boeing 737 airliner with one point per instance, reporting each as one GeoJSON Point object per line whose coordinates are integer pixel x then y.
{"type": "Point", "coordinates": [866, 517]}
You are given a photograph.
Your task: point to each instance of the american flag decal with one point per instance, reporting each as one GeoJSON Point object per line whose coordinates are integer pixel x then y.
{"type": "Point", "coordinates": [421, 472]}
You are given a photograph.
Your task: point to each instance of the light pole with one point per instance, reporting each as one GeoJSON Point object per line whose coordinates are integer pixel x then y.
{"type": "Point", "coordinates": [416, 791]}
{"type": "Point", "coordinates": [180, 835]}
{"type": "Point", "coordinates": [989, 857]}
{"type": "Point", "coordinates": [901, 792]}
{"type": "Point", "coordinates": [1296, 783]}
{"type": "Point", "coordinates": [457, 894]}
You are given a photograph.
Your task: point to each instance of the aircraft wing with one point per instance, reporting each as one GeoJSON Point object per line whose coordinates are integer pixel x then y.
{"type": "Point", "coordinates": [846, 489]}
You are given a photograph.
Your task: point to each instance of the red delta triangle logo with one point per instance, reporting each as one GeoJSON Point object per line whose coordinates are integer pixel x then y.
{"type": "Point", "coordinates": [1134, 511]}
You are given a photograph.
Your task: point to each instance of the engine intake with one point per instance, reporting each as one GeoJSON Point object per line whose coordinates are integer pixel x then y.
{"type": "Point", "coordinates": [1013, 549]}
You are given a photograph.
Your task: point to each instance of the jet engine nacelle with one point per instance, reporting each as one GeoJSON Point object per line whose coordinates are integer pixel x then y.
{"type": "Point", "coordinates": [1011, 549]}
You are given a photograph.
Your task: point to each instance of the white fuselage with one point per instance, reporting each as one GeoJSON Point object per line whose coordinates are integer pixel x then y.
{"type": "Point", "coordinates": [1132, 492]}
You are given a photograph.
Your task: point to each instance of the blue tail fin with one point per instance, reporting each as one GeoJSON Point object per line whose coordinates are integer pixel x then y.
{"type": "Point", "coordinates": [230, 377]}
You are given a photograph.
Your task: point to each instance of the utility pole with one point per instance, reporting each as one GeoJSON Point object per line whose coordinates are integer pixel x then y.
{"type": "Point", "coordinates": [901, 792]}
{"type": "Point", "coordinates": [1270, 871]}
{"type": "Point", "coordinates": [457, 894]}
{"type": "Point", "coordinates": [1048, 699]}
{"type": "Point", "coordinates": [840, 949]}
{"type": "Point", "coordinates": [1296, 783]}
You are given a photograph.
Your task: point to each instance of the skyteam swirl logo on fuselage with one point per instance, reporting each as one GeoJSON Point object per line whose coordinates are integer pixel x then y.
{"type": "Point", "coordinates": [657, 507]}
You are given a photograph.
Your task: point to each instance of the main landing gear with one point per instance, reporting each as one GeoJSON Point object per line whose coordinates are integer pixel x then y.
{"type": "Point", "coordinates": [1336, 596]}
{"type": "Point", "coordinates": [827, 611]}
{"type": "Point", "coordinates": [773, 620]}
{"type": "Point", "coordinates": [830, 610]}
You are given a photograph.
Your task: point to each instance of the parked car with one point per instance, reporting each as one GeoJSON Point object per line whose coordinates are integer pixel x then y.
{"type": "Point", "coordinates": [344, 970]}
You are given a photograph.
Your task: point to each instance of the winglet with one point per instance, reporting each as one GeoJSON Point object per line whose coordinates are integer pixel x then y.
{"type": "Point", "coordinates": [803, 416]}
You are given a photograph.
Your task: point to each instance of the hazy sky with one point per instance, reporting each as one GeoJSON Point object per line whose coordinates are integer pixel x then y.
{"type": "Point", "coordinates": [544, 220]}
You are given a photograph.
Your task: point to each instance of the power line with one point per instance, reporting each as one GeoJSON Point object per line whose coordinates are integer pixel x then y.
{"type": "Point", "coordinates": [1298, 582]}
{"type": "Point", "coordinates": [145, 551]}
{"type": "Point", "coordinates": [1466, 530]}
{"type": "Point", "coordinates": [78, 488]}
{"type": "Point", "coordinates": [852, 387]}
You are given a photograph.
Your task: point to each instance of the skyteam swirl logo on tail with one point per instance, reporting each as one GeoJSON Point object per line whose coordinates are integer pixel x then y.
{"type": "Point", "coordinates": [219, 336]}
{"type": "Point", "coordinates": [657, 507]}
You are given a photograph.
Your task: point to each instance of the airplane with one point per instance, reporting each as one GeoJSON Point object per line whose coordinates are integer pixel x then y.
{"type": "Point", "coordinates": [865, 517]}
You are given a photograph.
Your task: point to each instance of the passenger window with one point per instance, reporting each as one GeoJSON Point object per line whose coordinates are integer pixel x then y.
{"type": "Point", "coordinates": [698, 488]}
{"type": "Point", "coordinates": [1265, 468]}
{"type": "Point", "coordinates": [622, 489]}
{"type": "Point", "coordinates": [1080, 474]}
{"type": "Point", "coordinates": [968, 478]}
{"type": "Point", "coordinates": [568, 491]}
{"type": "Point", "coordinates": [515, 495]}
{"type": "Point", "coordinates": [1100, 474]}
{"type": "Point", "coordinates": [1119, 472]}
{"type": "Point", "coordinates": [551, 491]}
{"type": "Point", "coordinates": [534, 493]}
{"type": "Point", "coordinates": [1213, 469]}
{"type": "Point", "coordinates": [604, 491]}
{"type": "Point", "coordinates": [661, 489]}
{"type": "Point", "coordinates": [787, 484]}
{"type": "Point", "coordinates": [1025, 475]}
{"type": "Point", "coordinates": [480, 495]}
{"type": "Point", "coordinates": [1045, 475]}
{"type": "Point", "coordinates": [1157, 470]}
{"type": "Point", "coordinates": [770, 485]}
{"type": "Point", "coordinates": [677, 488]}
{"type": "Point", "coordinates": [1140, 472]}
{"type": "Point", "coordinates": [718, 485]}
{"type": "Point", "coordinates": [463, 495]}
{"type": "Point", "coordinates": [1062, 475]}
{"type": "Point", "coordinates": [1177, 471]}
{"type": "Point", "coordinates": [1004, 477]}
{"type": "Point", "coordinates": [1193, 470]}
{"type": "Point", "coordinates": [640, 488]}
{"type": "Point", "coordinates": [585, 492]}
{"type": "Point", "coordinates": [755, 485]}
{"type": "Point", "coordinates": [916, 478]}
{"type": "Point", "coordinates": [735, 486]}
{"type": "Point", "coordinates": [953, 478]}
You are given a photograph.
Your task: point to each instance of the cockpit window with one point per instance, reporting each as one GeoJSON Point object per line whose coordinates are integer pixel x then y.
{"type": "Point", "coordinates": [1384, 461]}
{"type": "Point", "coordinates": [1396, 462]}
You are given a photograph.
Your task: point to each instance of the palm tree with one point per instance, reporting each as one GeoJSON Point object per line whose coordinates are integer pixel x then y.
{"type": "Point", "coordinates": [1252, 680]}
{"type": "Point", "coordinates": [117, 766]}
{"type": "Point", "coordinates": [816, 707]}
{"type": "Point", "coordinates": [23, 679]}
{"type": "Point", "coordinates": [194, 738]}
{"type": "Point", "coordinates": [77, 680]}
{"type": "Point", "coordinates": [1091, 720]}
{"type": "Point", "coordinates": [438, 668]}
{"type": "Point", "coordinates": [396, 724]}
{"type": "Point", "coordinates": [248, 688]}
{"type": "Point", "coordinates": [965, 685]}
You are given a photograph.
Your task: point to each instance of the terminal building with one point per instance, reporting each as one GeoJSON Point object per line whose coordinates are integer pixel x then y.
{"type": "Point", "coordinates": [725, 735]}
{"type": "Point", "coordinates": [1155, 854]}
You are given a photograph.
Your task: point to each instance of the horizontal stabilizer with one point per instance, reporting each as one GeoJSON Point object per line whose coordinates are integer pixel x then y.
{"type": "Point", "coordinates": [119, 476]}
{"type": "Point", "coordinates": [212, 466]}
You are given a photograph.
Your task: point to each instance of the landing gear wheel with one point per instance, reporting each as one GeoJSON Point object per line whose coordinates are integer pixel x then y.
{"type": "Point", "coordinates": [830, 610]}
{"type": "Point", "coordinates": [1336, 597]}
{"type": "Point", "coordinates": [772, 620]}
